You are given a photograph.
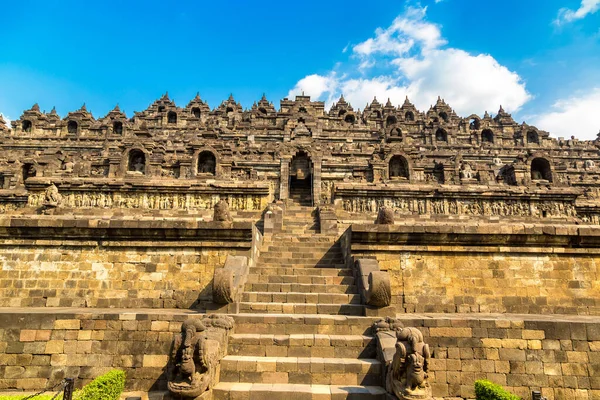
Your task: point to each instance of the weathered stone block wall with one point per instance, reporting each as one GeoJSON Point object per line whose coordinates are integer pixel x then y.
{"type": "Point", "coordinates": [492, 282]}
{"type": "Point", "coordinates": [114, 263]}
{"type": "Point", "coordinates": [560, 356]}
{"type": "Point", "coordinates": [39, 349]}
{"type": "Point", "coordinates": [96, 276]}
{"type": "Point", "coordinates": [484, 272]}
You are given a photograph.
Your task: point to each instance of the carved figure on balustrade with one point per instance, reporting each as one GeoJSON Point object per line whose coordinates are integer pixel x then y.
{"type": "Point", "coordinates": [195, 356]}
{"type": "Point", "coordinates": [52, 197]}
{"type": "Point", "coordinates": [406, 357]}
{"type": "Point", "coordinates": [222, 213]}
{"type": "Point", "coordinates": [385, 216]}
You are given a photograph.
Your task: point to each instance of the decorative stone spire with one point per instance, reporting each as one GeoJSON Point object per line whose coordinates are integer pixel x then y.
{"type": "Point", "coordinates": [165, 96]}
{"type": "Point", "coordinates": [117, 109]}
{"type": "Point", "coordinates": [53, 111]}
{"type": "Point", "coordinates": [197, 98]}
{"type": "Point", "coordinates": [83, 108]}
{"type": "Point", "coordinates": [35, 107]}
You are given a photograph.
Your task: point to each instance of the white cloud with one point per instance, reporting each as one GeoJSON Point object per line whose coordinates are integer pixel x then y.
{"type": "Point", "coordinates": [566, 15]}
{"type": "Point", "coordinates": [314, 86]}
{"type": "Point", "coordinates": [409, 58]}
{"type": "Point", "coordinates": [6, 119]}
{"type": "Point", "coordinates": [576, 116]}
{"type": "Point", "coordinates": [406, 31]}
{"type": "Point", "coordinates": [470, 84]}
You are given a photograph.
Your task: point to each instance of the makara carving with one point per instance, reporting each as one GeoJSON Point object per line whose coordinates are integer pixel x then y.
{"type": "Point", "coordinates": [195, 356]}
{"type": "Point", "coordinates": [222, 213]}
{"type": "Point", "coordinates": [406, 357]}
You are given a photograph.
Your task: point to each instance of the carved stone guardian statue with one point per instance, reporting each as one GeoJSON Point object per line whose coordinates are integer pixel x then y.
{"type": "Point", "coordinates": [222, 213]}
{"type": "Point", "coordinates": [52, 198]}
{"type": "Point", "coordinates": [385, 216]}
{"type": "Point", "coordinates": [406, 357]}
{"type": "Point", "coordinates": [466, 172]}
{"type": "Point", "coordinates": [195, 356]}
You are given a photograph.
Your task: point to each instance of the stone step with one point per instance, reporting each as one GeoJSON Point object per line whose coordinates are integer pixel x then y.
{"type": "Point", "coordinates": [287, 324]}
{"type": "Point", "coordinates": [303, 279]}
{"type": "Point", "coordinates": [301, 308]}
{"type": "Point", "coordinates": [295, 220]}
{"type": "Point", "coordinates": [289, 391]}
{"type": "Point", "coordinates": [297, 251]}
{"type": "Point", "coordinates": [300, 231]}
{"type": "Point", "coordinates": [295, 297]}
{"type": "Point", "coordinates": [300, 257]}
{"type": "Point", "coordinates": [301, 238]}
{"type": "Point", "coordinates": [301, 246]}
{"type": "Point", "coordinates": [297, 264]}
{"type": "Point", "coordinates": [302, 345]}
{"type": "Point", "coordinates": [300, 271]}
{"type": "Point", "coordinates": [300, 288]}
{"type": "Point", "coordinates": [304, 370]}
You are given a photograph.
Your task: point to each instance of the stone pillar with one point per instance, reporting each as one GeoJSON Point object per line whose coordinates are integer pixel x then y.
{"type": "Point", "coordinates": [284, 179]}
{"type": "Point", "coordinates": [379, 171]}
{"type": "Point", "coordinates": [186, 169]}
{"type": "Point", "coordinates": [114, 167]}
{"type": "Point", "coordinates": [316, 181]}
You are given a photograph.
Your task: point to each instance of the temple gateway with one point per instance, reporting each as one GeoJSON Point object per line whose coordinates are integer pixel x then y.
{"type": "Point", "coordinates": [299, 252]}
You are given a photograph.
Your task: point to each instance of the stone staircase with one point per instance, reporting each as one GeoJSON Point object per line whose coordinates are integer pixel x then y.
{"type": "Point", "coordinates": [301, 333]}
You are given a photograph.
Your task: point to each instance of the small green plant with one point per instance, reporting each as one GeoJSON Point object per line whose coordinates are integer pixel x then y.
{"type": "Point", "coordinates": [105, 387]}
{"type": "Point", "coordinates": [486, 390]}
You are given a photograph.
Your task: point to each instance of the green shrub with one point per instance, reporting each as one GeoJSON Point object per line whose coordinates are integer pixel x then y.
{"type": "Point", "coordinates": [486, 390]}
{"type": "Point", "coordinates": [105, 387]}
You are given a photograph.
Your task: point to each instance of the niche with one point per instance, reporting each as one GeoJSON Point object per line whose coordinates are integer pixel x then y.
{"type": "Point", "coordinates": [26, 126]}
{"type": "Point", "coordinates": [441, 135]}
{"type": "Point", "coordinates": [398, 168]}
{"type": "Point", "coordinates": [540, 170]}
{"type": "Point", "coordinates": [137, 162]}
{"type": "Point", "coordinates": [72, 127]}
{"type": "Point", "coordinates": [487, 136]}
{"type": "Point", "coordinates": [118, 128]}
{"type": "Point", "coordinates": [207, 163]}
{"type": "Point", "coordinates": [532, 137]}
{"type": "Point", "coordinates": [390, 120]}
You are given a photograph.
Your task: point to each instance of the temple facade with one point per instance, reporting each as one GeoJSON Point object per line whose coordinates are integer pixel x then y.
{"type": "Point", "coordinates": [359, 254]}
{"type": "Point", "coordinates": [186, 158]}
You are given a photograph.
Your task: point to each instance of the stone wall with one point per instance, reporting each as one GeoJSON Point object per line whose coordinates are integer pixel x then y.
{"type": "Point", "coordinates": [560, 356]}
{"type": "Point", "coordinates": [116, 263]}
{"type": "Point", "coordinates": [39, 349]}
{"type": "Point", "coordinates": [486, 270]}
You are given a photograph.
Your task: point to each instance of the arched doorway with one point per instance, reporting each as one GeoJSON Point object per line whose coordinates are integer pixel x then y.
{"type": "Point", "coordinates": [301, 176]}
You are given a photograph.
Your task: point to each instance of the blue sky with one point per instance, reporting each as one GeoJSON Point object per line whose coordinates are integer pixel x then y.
{"type": "Point", "coordinates": [540, 59]}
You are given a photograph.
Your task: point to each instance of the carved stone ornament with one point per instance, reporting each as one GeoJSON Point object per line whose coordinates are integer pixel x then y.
{"type": "Point", "coordinates": [385, 216]}
{"type": "Point", "coordinates": [52, 197]}
{"type": "Point", "coordinates": [195, 356]}
{"type": "Point", "coordinates": [406, 357]}
{"type": "Point", "coordinates": [222, 213]}
{"type": "Point", "coordinates": [374, 284]}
